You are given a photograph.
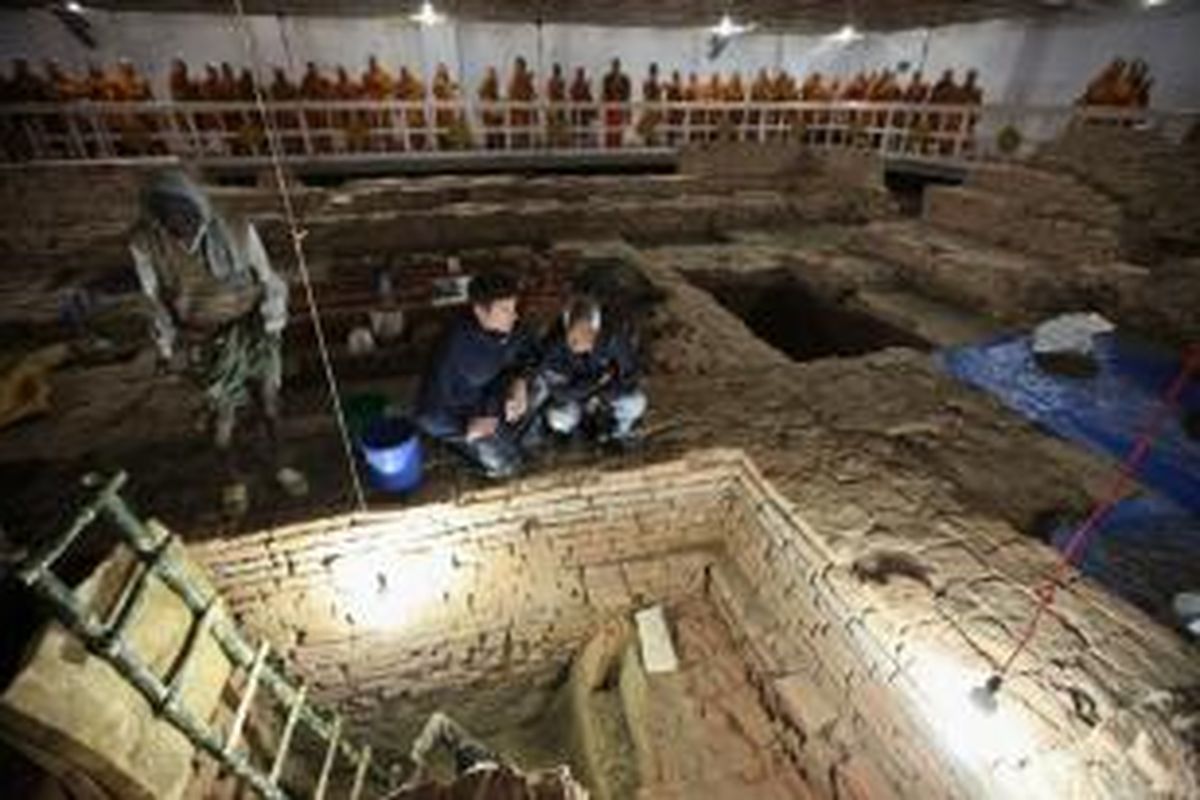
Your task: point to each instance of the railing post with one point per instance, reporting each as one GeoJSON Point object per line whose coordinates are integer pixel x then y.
{"type": "Point", "coordinates": [78, 148]}
{"type": "Point", "coordinates": [193, 142]}
{"type": "Point", "coordinates": [406, 137]}
{"type": "Point", "coordinates": [305, 139]}
{"type": "Point", "coordinates": [540, 125]}
{"type": "Point", "coordinates": [430, 124]}
{"type": "Point", "coordinates": [960, 139]}
{"type": "Point", "coordinates": [223, 143]}
{"type": "Point", "coordinates": [474, 122]}
{"type": "Point", "coordinates": [170, 140]}
{"type": "Point", "coordinates": [506, 126]}
{"type": "Point", "coordinates": [36, 146]}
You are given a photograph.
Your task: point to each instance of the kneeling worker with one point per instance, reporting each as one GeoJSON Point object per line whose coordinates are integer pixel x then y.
{"type": "Point", "coordinates": [590, 370]}
{"type": "Point", "coordinates": [476, 395]}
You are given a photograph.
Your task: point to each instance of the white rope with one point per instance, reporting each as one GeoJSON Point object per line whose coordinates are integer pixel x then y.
{"type": "Point", "coordinates": [297, 238]}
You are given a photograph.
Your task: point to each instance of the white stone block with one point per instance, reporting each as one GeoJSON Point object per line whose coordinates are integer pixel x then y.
{"type": "Point", "coordinates": [658, 651]}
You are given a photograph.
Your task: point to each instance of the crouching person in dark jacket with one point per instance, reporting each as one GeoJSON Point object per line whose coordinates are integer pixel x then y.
{"type": "Point", "coordinates": [589, 368]}
{"type": "Point", "coordinates": [476, 396]}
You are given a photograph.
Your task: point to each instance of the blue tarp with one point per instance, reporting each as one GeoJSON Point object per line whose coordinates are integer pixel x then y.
{"type": "Point", "coordinates": [1146, 549]}
{"type": "Point", "coordinates": [1105, 412]}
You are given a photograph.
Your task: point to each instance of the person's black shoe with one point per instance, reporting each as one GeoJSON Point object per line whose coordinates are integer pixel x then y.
{"type": "Point", "coordinates": [623, 445]}
{"type": "Point", "coordinates": [563, 441]}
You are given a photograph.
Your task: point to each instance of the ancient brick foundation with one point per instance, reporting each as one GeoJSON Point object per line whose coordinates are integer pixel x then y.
{"type": "Point", "coordinates": [868, 697]}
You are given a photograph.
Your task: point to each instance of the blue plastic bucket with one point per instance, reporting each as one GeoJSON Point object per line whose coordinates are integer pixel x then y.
{"type": "Point", "coordinates": [391, 446]}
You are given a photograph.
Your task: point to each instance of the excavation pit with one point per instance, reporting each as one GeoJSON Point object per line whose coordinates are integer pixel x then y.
{"type": "Point", "coordinates": [510, 610]}
{"type": "Point", "coordinates": [780, 310]}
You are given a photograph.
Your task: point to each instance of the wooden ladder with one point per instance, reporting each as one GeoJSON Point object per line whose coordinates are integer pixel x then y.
{"type": "Point", "coordinates": [151, 545]}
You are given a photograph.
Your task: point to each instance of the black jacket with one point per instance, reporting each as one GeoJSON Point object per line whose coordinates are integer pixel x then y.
{"type": "Point", "coordinates": [471, 372]}
{"type": "Point", "coordinates": [575, 376]}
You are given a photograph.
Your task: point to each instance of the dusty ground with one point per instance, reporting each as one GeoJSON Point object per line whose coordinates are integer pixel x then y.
{"type": "Point", "coordinates": [879, 451]}
{"type": "Point", "coordinates": [858, 429]}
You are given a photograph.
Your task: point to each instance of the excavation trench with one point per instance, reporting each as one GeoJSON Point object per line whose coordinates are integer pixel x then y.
{"type": "Point", "coordinates": [803, 669]}
{"type": "Point", "coordinates": [777, 306]}
{"type": "Point", "coordinates": [511, 612]}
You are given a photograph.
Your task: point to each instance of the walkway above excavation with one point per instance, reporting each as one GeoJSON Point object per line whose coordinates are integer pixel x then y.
{"type": "Point", "coordinates": [421, 137]}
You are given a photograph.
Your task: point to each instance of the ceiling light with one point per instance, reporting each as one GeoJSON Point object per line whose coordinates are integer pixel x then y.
{"type": "Point", "coordinates": [726, 28]}
{"type": "Point", "coordinates": [846, 34]}
{"type": "Point", "coordinates": [1153, 3]}
{"type": "Point", "coordinates": [428, 15]}
{"type": "Point", "coordinates": [74, 7]}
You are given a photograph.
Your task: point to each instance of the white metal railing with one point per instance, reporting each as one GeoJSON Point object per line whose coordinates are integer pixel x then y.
{"type": "Point", "coordinates": [232, 132]}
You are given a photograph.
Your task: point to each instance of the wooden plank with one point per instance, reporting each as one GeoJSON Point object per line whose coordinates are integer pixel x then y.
{"type": "Point", "coordinates": [330, 754]}
{"type": "Point", "coordinates": [360, 774]}
{"type": "Point", "coordinates": [239, 720]}
{"type": "Point", "coordinates": [289, 728]}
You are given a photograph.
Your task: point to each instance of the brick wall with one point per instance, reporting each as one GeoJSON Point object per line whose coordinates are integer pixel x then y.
{"type": "Point", "coordinates": [1038, 212]}
{"type": "Point", "coordinates": [891, 666]}
{"type": "Point", "coordinates": [508, 580]}
{"type": "Point", "coordinates": [867, 685]}
{"type": "Point", "coordinates": [347, 292]}
{"type": "Point", "coordinates": [1155, 181]}
{"type": "Point", "coordinates": [75, 235]}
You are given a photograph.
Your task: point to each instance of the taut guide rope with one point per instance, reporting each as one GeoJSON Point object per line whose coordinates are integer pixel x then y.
{"type": "Point", "coordinates": [297, 235]}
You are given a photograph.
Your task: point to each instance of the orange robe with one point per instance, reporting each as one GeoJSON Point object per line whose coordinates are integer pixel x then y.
{"type": "Point", "coordinates": [582, 117]}
{"type": "Point", "coordinates": [445, 90]}
{"type": "Point", "coordinates": [411, 90]}
{"type": "Point", "coordinates": [652, 92]}
{"type": "Point", "coordinates": [489, 95]}
{"type": "Point", "coordinates": [521, 90]}
{"type": "Point", "coordinates": [616, 90]}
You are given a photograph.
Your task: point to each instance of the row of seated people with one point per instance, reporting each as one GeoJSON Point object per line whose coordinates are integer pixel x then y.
{"type": "Point", "coordinates": [361, 129]}
{"type": "Point", "coordinates": [224, 83]}
{"type": "Point", "coordinates": [1120, 84]}
{"type": "Point", "coordinates": [122, 83]}
{"type": "Point", "coordinates": [377, 83]}
{"type": "Point", "coordinates": [126, 134]}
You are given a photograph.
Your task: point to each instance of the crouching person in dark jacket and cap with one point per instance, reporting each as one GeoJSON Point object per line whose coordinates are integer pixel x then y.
{"type": "Point", "coordinates": [589, 368]}
{"type": "Point", "coordinates": [477, 397]}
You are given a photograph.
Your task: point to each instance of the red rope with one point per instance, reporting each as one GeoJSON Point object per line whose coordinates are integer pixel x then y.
{"type": "Point", "coordinates": [1078, 543]}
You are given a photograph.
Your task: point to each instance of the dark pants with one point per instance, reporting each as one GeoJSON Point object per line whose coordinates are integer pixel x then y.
{"type": "Point", "coordinates": [500, 455]}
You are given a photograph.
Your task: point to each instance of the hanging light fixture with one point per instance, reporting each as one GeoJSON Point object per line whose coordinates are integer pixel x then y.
{"type": "Point", "coordinates": [73, 16]}
{"type": "Point", "coordinates": [846, 34]}
{"type": "Point", "coordinates": [428, 16]}
{"type": "Point", "coordinates": [726, 28]}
